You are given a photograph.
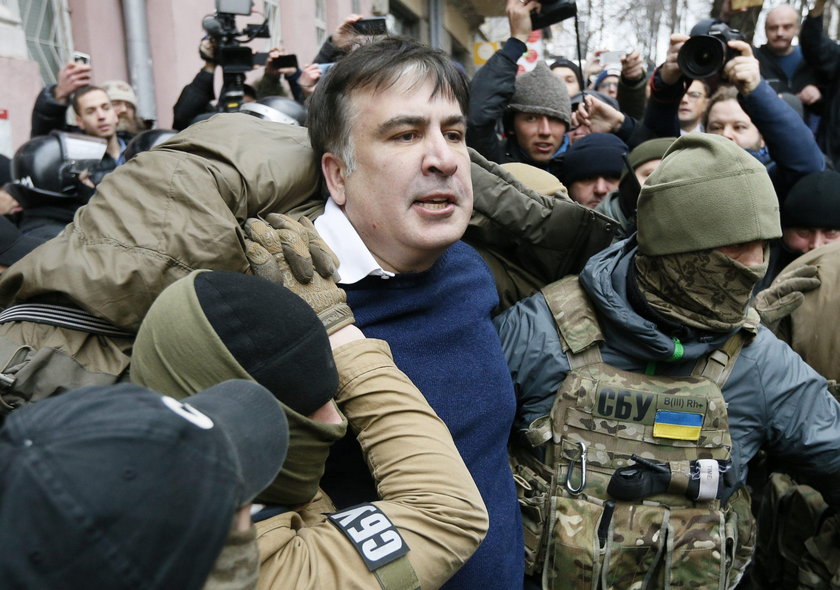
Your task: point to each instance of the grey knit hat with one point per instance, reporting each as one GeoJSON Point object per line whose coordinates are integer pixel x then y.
{"type": "Point", "coordinates": [541, 92]}
{"type": "Point", "coordinates": [708, 192]}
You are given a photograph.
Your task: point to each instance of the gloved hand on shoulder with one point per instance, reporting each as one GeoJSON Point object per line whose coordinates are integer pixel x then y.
{"type": "Point", "coordinates": [292, 254]}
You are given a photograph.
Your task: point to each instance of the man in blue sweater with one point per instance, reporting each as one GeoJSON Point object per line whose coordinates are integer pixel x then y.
{"type": "Point", "coordinates": [388, 124]}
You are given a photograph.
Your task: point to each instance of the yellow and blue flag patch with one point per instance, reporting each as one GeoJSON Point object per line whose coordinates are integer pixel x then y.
{"type": "Point", "coordinates": [677, 425]}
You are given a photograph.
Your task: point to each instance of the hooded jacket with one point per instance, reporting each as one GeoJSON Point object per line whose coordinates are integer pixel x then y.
{"type": "Point", "coordinates": [775, 401]}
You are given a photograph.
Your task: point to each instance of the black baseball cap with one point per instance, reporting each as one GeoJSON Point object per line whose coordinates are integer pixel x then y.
{"type": "Point", "coordinates": [121, 487]}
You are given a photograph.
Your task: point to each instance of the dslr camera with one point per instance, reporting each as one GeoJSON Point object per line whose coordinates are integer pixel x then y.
{"type": "Point", "coordinates": [552, 11]}
{"type": "Point", "coordinates": [703, 56]}
{"type": "Point", "coordinates": [234, 59]}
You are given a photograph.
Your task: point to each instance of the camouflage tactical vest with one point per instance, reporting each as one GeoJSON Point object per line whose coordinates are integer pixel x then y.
{"type": "Point", "coordinates": [577, 536]}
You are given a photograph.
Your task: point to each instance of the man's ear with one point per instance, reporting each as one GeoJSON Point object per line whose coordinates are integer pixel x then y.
{"type": "Point", "coordinates": [333, 170]}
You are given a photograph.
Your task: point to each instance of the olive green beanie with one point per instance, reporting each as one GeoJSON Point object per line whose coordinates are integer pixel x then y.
{"type": "Point", "coordinates": [652, 149]}
{"type": "Point", "coordinates": [706, 193]}
{"type": "Point", "coordinates": [542, 93]}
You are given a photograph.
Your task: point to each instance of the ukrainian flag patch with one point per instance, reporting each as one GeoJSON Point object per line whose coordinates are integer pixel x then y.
{"type": "Point", "coordinates": [677, 425]}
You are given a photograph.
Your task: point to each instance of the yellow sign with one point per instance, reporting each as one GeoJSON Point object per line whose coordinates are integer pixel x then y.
{"type": "Point", "coordinates": [483, 50]}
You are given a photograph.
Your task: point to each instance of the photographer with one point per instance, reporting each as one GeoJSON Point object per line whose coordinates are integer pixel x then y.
{"type": "Point", "coordinates": [197, 97]}
{"type": "Point", "coordinates": [751, 115]}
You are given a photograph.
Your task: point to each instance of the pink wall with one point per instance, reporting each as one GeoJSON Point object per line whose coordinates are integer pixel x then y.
{"type": "Point", "coordinates": [174, 34]}
{"type": "Point", "coordinates": [19, 96]}
{"type": "Point", "coordinates": [98, 31]}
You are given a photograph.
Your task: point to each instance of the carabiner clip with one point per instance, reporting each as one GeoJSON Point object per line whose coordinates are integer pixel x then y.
{"type": "Point", "coordinates": [576, 491]}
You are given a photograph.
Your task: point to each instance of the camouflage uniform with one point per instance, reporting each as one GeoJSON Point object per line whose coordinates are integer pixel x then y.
{"type": "Point", "coordinates": [774, 400]}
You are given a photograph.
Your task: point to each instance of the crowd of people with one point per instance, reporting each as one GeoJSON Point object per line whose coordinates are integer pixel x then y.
{"type": "Point", "coordinates": [389, 327]}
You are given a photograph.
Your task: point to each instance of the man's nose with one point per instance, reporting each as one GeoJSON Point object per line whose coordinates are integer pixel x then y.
{"type": "Point", "coordinates": [440, 157]}
{"type": "Point", "coordinates": [729, 133]}
{"type": "Point", "coordinates": [817, 239]}
{"type": "Point", "coordinates": [601, 187]}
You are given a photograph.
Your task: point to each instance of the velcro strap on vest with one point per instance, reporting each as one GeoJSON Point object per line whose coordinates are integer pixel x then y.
{"type": "Point", "coordinates": [680, 476]}
{"type": "Point", "coordinates": [539, 432]}
{"type": "Point", "coordinates": [62, 317]}
{"type": "Point", "coordinates": [719, 364]}
{"type": "Point", "coordinates": [397, 575]}
{"type": "Point", "coordinates": [573, 313]}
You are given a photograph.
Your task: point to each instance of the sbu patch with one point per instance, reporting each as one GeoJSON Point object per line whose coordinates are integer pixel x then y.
{"type": "Point", "coordinates": [371, 533]}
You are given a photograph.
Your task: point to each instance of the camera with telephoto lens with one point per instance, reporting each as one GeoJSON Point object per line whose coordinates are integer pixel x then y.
{"type": "Point", "coordinates": [552, 11]}
{"type": "Point", "coordinates": [703, 56]}
{"type": "Point", "coordinates": [234, 59]}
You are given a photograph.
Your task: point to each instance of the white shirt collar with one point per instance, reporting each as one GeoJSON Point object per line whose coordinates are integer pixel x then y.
{"type": "Point", "coordinates": [355, 260]}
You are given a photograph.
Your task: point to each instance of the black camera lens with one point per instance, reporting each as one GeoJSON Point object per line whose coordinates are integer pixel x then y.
{"type": "Point", "coordinates": [702, 57]}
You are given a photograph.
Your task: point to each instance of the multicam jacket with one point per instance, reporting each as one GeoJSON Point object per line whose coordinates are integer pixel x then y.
{"type": "Point", "coordinates": [774, 400]}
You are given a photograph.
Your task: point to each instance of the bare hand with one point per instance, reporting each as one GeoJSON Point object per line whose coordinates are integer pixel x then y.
{"type": "Point", "coordinates": [632, 66]}
{"type": "Point", "coordinates": [207, 52]}
{"type": "Point", "coordinates": [519, 18]}
{"type": "Point", "coordinates": [345, 34]}
{"type": "Point", "coordinates": [84, 178]}
{"type": "Point", "coordinates": [70, 78]}
{"type": "Point", "coordinates": [593, 66]}
{"type": "Point", "coordinates": [597, 116]}
{"type": "Point", "coordinates": [273, 72]}
{"type": "Point", "coordinates": [670, 70]}
{"type": "Point", "coordinates": [8, 204]}
{"type": "Point", "coordinates": [743, 70]}
{"type": "Point", "coordinates": [809, 94]}
{"type": "Point", "coordinates": [309, 77]}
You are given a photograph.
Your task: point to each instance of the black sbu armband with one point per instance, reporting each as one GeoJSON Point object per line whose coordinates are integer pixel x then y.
{"type": "Point", "coordinates": [371, 533]}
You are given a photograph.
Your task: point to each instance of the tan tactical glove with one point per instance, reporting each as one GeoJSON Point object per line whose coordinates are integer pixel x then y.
{"type": "Point", "coordinates": [292, 254]}
{"type": "Point", "coordinates": [779, 300]}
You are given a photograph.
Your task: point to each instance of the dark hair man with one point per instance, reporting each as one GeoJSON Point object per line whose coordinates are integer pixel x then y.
{"type": "Point", "coordinates": [569, 72]}
{"type": "Point", "coordinates": [533, 107]}
{"type": "Point", "coordinates": [656, 376]}
{"type": "Point", "coordinates": [388, 124]}
{"type": "Point", "coordinates": [693, 106]}
{"type": "Point", "coordinates": [389, 139]}
{"type": "Point", "coordinates": [95, 116]}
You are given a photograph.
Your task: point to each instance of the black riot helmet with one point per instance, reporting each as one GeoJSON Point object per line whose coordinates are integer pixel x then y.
{"type": "Point", "coordinates": [146, 140]}
{"type": "Point", "coordinates": [45, 170]}
{"type": "Point", "coordinates": [276, 108]}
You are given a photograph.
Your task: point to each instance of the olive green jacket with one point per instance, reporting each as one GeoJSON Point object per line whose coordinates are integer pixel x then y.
{"type": "Point", "coordinates": [180, 207]}
{"type": "Point", "coordinates": [811, 330]}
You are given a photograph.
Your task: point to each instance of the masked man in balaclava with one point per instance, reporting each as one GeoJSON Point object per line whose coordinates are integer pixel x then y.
{"type": "Point", "coordinates": [211, 326]}
{"type": "Point", "coordinates": [656, 385]}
